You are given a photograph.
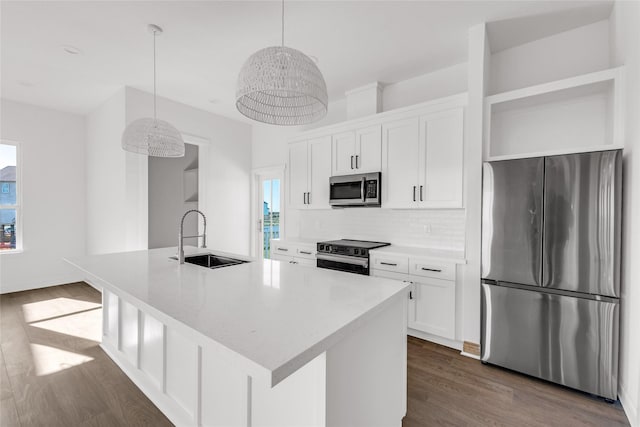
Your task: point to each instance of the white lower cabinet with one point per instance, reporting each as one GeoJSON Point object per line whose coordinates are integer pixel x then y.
{"type": "Point", "coordinates": [432, 299]}
{"type": "Point", "coordinates": [432, 308]}
{"type": "Point", "coordinates": [294, 252]}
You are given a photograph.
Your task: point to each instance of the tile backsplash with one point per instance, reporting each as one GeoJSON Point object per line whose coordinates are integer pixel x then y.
{"type": "Point", "coordinates": [438, 229]}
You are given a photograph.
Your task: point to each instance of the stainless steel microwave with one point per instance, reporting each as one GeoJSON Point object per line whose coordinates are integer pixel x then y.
{"type": "Point", "coordinates": [355, 190]}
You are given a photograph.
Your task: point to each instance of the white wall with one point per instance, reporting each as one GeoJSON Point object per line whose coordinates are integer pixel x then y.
{"type": "Point", "coordinates": [438, 84]}
{"type": "Point", "coordinates": [106, 177]}
{"type": "Point", "coordinates": [53, 195]}
{"type": "Point", "coordinates": [578, 51]}
{"type": "Point", "coordinates": [625, 38]}
{"type": "Point", "coordinates": [229, 164]}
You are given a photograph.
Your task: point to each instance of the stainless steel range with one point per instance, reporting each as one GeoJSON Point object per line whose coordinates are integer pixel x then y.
{"type": "Point", "coordinates": [346, 255]}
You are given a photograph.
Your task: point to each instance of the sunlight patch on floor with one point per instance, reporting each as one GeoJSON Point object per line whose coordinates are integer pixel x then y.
{"type": "Point", "coordinates": [55, 307]}
{"type": "Point", "coordinates": [49, 360]}
{"type": "Point", "coordinates": [85, 325]}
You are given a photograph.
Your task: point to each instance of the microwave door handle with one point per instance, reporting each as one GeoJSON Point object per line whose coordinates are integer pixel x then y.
{"type": "Point", "coordinates": [363, 193]}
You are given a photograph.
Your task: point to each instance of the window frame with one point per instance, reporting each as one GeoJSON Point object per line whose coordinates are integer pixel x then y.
{"type": "Point", "coordinates": [18, 205]}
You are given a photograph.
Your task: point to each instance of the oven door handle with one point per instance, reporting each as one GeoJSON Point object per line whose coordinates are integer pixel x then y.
{"type": "Point", "coordinates": [344, 259]}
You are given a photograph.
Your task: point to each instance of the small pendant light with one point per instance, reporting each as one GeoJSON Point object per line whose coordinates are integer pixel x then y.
{"type": "Point", "coordinates": [281, 86]}
{"type": "Point", "coordinates": [150, 136]}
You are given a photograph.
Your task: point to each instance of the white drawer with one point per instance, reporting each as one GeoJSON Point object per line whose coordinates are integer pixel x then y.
{"type": "Point", "coordinates": [397, 264]}
{"type": "Point", "coordinates": [308, 252]}
{"type": "Point", "coordinates": [282, 248]}
{"type": "Point", "coordinates": [431, 268]}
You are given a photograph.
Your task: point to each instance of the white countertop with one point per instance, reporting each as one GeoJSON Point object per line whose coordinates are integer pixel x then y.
{"type": "Point", "coordinates": [298, 240]}
{"type": "Point", "coordinates": [438, 254]}
{"type": "Point", "coordinates": [275, 314]}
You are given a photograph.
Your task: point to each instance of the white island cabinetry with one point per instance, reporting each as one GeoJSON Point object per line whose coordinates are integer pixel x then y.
{"type": "Point", "coordinates": [234, 347]}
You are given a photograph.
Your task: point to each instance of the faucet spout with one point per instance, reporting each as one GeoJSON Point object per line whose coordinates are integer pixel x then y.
{"type": "Point", "coordinates": [181, 235]}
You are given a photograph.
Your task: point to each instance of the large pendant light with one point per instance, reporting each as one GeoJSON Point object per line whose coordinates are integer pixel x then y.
{"type": "Point", "coordinates": [281, 86]}
{"type": "Point", "coordinates": [151, 136]}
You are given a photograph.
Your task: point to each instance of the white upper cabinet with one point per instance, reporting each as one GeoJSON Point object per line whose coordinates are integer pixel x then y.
{"type": "Point", "coordinates": [369, 149]}
{"type": "Point", "coordinates": [319, 172]}
{"type": "Point", "coordinates": [344, 153]}
{"type": "Point", "coordinates": [298, 174]}
{"type": "Point", "coordinates": [422, 161]}
{"type": "Point", "coordinates": [309, 172]}
{"type": "Point", "coordinates": [400, 153]}
{"type": "Point", "coordinates": [357, 151]}
{"type": "Point", "coordinates": [418, 149]}
{"type": "Point", "coordinates": [441, 159]}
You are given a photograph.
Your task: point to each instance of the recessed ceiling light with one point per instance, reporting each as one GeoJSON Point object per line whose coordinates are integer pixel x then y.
{"type": "Point", "coordinates": [25, 83]}
{"type": "Point", "coordinates": [71, 50]}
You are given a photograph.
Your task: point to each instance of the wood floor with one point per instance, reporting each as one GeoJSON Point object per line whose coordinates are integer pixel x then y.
{"type": "Point", "coordinates": [54, 374]}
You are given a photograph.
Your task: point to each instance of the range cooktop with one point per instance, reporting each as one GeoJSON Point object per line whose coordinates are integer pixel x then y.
{"type": "Point", "coordinates": [359, 248]}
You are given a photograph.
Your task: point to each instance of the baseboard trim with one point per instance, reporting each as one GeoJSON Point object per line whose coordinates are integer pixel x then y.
{"type": "Point", "coordinates": [457, 345]}
{"type": "Point", "coordinates": [629, 408]}
{"type": "Point", "coordinates": [472, 356]}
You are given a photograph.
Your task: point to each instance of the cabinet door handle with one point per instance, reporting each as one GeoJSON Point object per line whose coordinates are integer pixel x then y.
{"type": "Point", "coordinates": [283, 249]}
{"type": "Point", "coordinates": [309, 198]}
{"type": "Point", "coordinates": [304, 198]}
{"type": "Point", "coordinates": [305, 252]}
{"type": "Point", "coordinates": [392, 264]}
{"type": "Point", "coordinates": [351, 162]}
{"type": "Point", "coordinates": [414, 193]}
{"type": "Point", "coordinates": [357, 167]}
{"type": "Point", "coordinates": [435, 270]}
{"type": "Point", "coordinates": [410, 294]}
{"type": "Point", "coordinates": [421, 193]}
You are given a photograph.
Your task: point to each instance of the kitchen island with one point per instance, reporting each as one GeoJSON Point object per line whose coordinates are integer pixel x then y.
{"type": "Point", "coordinates": [260, 343]}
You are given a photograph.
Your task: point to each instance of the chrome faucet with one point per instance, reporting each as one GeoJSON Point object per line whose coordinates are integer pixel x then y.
{"type": "Point", "coordinates": [181, 237]}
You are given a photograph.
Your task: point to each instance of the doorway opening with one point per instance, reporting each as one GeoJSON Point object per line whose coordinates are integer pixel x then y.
{"type": "Point", "coordinates": [269, 215]}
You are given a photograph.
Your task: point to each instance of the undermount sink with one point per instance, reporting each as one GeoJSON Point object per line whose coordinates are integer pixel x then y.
{"type": "Point", "coordinates": [212, 261]}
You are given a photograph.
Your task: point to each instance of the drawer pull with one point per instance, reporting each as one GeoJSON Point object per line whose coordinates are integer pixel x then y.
{"type": "Point", "coordinates": [392, 264]}
{"type": "Point", "coordinates": [410, 294]}
{"type": "Point", "coordinates": [435, 270]}
{"type": "Point", "coordinates": [305, 252]}
{"type": "Point", "coordinates": [283, 249]}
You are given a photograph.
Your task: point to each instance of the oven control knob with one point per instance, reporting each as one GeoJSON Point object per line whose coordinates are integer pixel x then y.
{"type": "Point", "coordinates": [364, 252]}
{"type": "Point", "coordinates": [328, 248]}
{"type": "Point", "coordinates": [321, 247]}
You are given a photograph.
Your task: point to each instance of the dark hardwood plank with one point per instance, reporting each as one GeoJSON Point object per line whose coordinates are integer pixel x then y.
{"type": "Point", "coordinates": [446, 388]}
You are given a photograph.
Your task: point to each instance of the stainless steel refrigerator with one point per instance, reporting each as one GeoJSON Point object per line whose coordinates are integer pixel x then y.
{"type": "Point", "coordinates": [551, 268]}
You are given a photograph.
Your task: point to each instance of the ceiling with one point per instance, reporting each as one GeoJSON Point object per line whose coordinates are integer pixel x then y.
{"type": "Point", "coordinates": [206, 42]}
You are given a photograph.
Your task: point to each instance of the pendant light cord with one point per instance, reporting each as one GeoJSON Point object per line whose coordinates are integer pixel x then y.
{"type": "Point", "coordinates": [154, 76]}
{"type": "Point", "coordinates": [282, 23]}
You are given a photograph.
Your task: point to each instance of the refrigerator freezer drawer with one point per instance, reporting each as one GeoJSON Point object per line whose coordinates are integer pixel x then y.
{"type": "Point", "coordinates": [563, 339]}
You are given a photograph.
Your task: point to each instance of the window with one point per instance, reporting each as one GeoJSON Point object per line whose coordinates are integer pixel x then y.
{"type": "Point", "coordinates": [10, 232]}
